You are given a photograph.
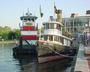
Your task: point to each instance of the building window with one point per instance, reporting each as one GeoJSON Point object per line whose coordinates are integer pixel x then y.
{"type": "Point", "coordinates": [75, 29]}
{"type": "Point", "coordinates": [68, 29]}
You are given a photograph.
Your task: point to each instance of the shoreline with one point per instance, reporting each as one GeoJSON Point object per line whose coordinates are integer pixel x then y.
{"type": "Point", "coordinates": [8, 42]}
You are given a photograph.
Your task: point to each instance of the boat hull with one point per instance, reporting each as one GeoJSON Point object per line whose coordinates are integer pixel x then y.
{"type": "Point", "coordinates": [31, 50]}
{"type": "Point", "coordinates": [56, 50]}
{"type": "Point", "coordinates": [44, 52]}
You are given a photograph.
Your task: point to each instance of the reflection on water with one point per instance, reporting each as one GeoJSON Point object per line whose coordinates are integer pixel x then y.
{"type": "Point", "coordinates": [27, 63]}
{"type": "Point", "coordinates": [10, 63]}
{"type": "Point", "coordinates": [7, 62]}
{"type": "Point", "coordinates": [56, 66]}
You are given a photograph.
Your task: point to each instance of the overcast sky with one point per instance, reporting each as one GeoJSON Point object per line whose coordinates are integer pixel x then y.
{"type": "Point", "coordinates": [11, 10]}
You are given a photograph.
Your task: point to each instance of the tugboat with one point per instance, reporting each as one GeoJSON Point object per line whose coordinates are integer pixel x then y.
{"type": "Point", "coordinates": [28, 39]}
{"type": "Point", "coordinates": [53, 39]}
{"type": "Point", "coordinates": [53, 42]}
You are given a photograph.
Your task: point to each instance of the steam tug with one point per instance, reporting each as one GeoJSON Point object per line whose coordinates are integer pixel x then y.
{"type": "Point", "coordinates": [53, 39]}
{"type": "Point", "coordinates": [54, 45]}
{"type": "Point", "coordinates": [28, 39]}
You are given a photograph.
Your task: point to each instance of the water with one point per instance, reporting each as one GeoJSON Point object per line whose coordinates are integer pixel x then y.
{"type": "Point", "coordinates": [10, 63]}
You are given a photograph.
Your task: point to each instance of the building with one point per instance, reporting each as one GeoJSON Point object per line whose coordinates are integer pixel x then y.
{"type": "Point", "coordinates": [77, 23]}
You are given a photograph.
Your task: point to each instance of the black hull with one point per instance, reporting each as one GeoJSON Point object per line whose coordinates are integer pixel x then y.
{"type": "Point", "coordinates": [25, 50]}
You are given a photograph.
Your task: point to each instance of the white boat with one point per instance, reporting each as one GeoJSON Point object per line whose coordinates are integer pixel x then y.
{"type": "Point", "coordinates": [52, 38]}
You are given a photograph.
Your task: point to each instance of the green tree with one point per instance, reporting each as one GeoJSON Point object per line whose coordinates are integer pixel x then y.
{"type": "Point", "coordinates": [17, 32]}
{"type": "Point", "coordinates": [7, 33]}
{"type": "Point", "coordinates": [4, 32]}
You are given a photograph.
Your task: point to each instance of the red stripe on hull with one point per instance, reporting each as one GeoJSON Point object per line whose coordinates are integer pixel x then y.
{"type": "Point", "coordinates": [32, 37]}
{"type": "Point", "coordinates": [28, 28]}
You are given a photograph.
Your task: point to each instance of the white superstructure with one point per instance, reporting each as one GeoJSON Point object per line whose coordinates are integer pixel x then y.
{"type": "Point", "coordinates": [53, 34]}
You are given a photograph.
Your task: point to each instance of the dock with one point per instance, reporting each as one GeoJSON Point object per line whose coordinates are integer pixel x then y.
{"type": "Point", "coordinates": [82, 63]}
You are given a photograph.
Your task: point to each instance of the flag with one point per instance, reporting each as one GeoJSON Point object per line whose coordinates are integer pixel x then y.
{"type": "Point", "coordinates": [41, 14]}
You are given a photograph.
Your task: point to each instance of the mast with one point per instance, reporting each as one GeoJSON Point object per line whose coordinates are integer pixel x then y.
{"type": "Point", "coordinates": [41, 17]}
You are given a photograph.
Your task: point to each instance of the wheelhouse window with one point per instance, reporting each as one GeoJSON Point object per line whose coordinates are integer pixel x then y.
{"type": "Point", "coordinates": [47, 26]}
{"type": "Point", "coordinates": [51, 25]}
{"type": "Point", "coordinates": [56, 38]}
{"type": "Point", "coordinates": [61, 40]}
{"type": "Point", "coordinates": [51, 38]}
{"type": "Point", "coordinates": [44, 26]}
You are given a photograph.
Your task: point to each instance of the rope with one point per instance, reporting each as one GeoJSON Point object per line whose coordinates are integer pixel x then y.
{"type": "Point", "coordinates": [59, 53]}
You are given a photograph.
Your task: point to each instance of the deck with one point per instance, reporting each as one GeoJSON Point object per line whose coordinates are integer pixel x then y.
{"type": "Point", "coordinates": [82, 62]}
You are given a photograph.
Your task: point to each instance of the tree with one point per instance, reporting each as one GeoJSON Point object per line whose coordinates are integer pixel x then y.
{"type": "Point", "coordinates": [7, 33]}
{"type": "Point", "coordinates": [17, 32]}
{"type": "Point", "coordinates": [4, 32]}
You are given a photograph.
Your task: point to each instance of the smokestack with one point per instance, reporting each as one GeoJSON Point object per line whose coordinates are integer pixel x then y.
{"type": "Point", "coordinates": [58, 12]}
{"type": "Point", "coordinates": [59, 15]}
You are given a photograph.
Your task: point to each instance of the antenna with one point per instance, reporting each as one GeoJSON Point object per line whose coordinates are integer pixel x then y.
{"type": "Point", "coordinates": [28, 10]}
{"type": "Point", "coordinates": [54, 9]}
{"type": "Point", "coordinates": [41, 14]}
{"type": "Point", "coordinates": [23, 13]}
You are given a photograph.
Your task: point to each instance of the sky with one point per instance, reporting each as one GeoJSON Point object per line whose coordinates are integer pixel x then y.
{"type": "Point", "coordinates": [11, 10]}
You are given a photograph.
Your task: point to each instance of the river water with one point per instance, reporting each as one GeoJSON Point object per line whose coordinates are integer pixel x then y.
{"type": "Point", "coordinates": [10, 63]}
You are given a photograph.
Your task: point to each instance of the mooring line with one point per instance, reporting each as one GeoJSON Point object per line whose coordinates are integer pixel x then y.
{"type": "Point", "coordinates": [59, 53]}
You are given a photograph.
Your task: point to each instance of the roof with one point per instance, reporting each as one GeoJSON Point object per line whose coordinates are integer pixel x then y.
{"type": "Point", "coordinates": [53, 22]}
{"type": "Point", "coordinates": [30, 17]}
{"type": "Point", "coordinates": [84, 16]}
